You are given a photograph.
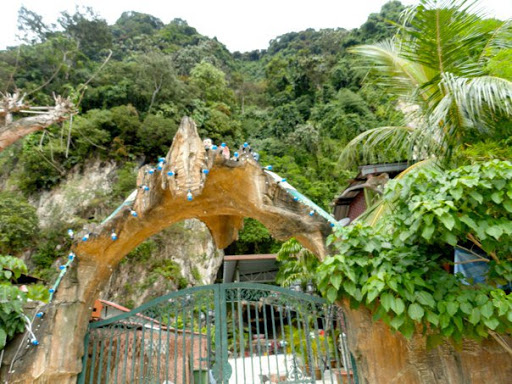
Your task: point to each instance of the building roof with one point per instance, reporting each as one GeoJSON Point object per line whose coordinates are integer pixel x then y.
{"type": "Point", "coordinates": [256, 268]}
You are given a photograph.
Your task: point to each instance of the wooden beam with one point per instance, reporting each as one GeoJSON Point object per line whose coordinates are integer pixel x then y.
{"type": "Point", "coordinates": [264, 256]}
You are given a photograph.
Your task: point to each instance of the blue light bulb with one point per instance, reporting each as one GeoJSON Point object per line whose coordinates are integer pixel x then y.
{"type": "Point", "coordinates": [283, 180]}
{"type": "Point", "coordinates": [189, 196]}
{"type": "Point", "coordinates": [145, 187]}
{"type": "Point", "coordinates": [133, 213]}
{"type": "Point", "coordinates": [223, 145]}
{"type": "Point", "coordinates": [39, 314]}
{"type": "Point", "coordinates": [205, 171]}
{"type": "Point", "coordinates": [71, 233]}
{"type": "Point", "coordinates": [71, 256]}
{"type": "Point", "coordinates": [170, 173]}
{"type": "Point", "coordinates": [268, 167]}
{"type": "Point", "coordinates": [295, 198]}
{"type": "Point", "coordinates": [62, 267]}
{"type": "Point", "coordinates": [214, 147]}
{"type": "Point", "coordinates": [161, 159]}
{"type": "Point", "coordinates": [86, 237]}
{"type": "Point", "coordinates": [51, 290]}
{"type": "Point", "coordinates": [311, 213]}
{"type": "Point", "coordinates": [113, 236]}
{"type": "Point", "coordinates": [160, 166]}
{"type": "Point", "coordinates": [151, 171]}
{"type": "Point", "coordinates": [332, 225]}
{"type": "Point", "coordinates": [35, 342]}
{"type": "Point", "coordinates": [246, 144]}
{"type": "Point", "coordinates": [236, 154]}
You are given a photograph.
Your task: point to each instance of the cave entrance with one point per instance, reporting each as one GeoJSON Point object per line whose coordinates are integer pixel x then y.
{"type": "Point", "coordinates": [222, 333]}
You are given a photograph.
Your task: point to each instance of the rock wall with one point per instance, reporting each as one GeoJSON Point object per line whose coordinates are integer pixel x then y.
{"type": "Point", "coordinates": [186, 247]}
{"type": "Point", "coordinates": [79, 197]}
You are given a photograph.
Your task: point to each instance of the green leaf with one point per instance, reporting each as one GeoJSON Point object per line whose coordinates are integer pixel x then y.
{"type": "Point", "coordinates": [432, 318]}
{"type": "Point", "coordinates": [397, 322]}
{"type": "Point", "coordinates": [492, 323]}
{"type": "Point", "coordinates": [458, 322]}
{"type": "Point", "coordinates": [372, 295]}
{"type": "Point", "coordinates": [452, 308]}
{"type": "Point", "coordinates": [349, 287]}
{"type": "Point", "coordinates": [508, 205]}
{"type": "Point", "coordinates": [426, 298]}
{"type": "Point", "coordinates": [495, 231]}
{"type": "Point", "coordinates": [398, 306]}
{"type": "Point", "coordinates": [468, 221]}
{"type": "Point", "coordinates": [392, 284]}
{"type": "Point", "coordinates": [336, 280]}
{"type": "Point", "coordinates": [487, 309]}
{"type": "Point", "coordinates": [427, 232]}
{"type": "Point", "coordinates": [466, 308]}
{"type": "Point", "coordinates": [448, 221]}
{"type": "Point", "coordinates": [332, 294]}
{"type": "Point", "coordinates": [474, 317]}
{"type": "Point", "coordinates": [407, 329]}
{"type": "Point", "coordinates": [415, 311]}
{"type": "Point", "coordinates": [478, 197]}
{"type": "Point", "coordinates": [450, 238]}
{"type": "Point", "coordinates": [386, 300]}
{"type": "Point", "coordinates": [38, 292]}
{"type": "Point", "coordinates": [497, 197]}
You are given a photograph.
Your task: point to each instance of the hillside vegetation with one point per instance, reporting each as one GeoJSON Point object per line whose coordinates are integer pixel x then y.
{"type": "Point", "coordinates": [298, 103]}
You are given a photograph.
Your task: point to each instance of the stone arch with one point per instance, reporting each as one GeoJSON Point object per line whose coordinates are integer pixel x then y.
{"type": "Point", "coordinates": [222, 192]}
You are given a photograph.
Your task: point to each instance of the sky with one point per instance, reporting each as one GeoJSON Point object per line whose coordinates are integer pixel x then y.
{"type": "Point", "coordinates": [240, 25]}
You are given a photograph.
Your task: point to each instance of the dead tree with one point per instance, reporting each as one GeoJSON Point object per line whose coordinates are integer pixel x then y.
{"type": "Point", "coordinates": [12, 129]}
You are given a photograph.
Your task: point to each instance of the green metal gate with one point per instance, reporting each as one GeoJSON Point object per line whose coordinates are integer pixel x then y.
{"type": "Point", "coordinates": [226, 333]}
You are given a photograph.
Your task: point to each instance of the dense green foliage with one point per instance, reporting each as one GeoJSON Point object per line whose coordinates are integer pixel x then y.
{"type": "Point", "coordinates": [396, 268]}
{"type": "Point", "coordinates": [19, 224]}
{"type": "Point", "coordinates": [297, 265]}
{"type": "Point", "coordinates": [297, 103]}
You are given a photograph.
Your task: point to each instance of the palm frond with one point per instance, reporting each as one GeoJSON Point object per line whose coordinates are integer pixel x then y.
{"type": "Point", "coordinates": [481, 95]}
{"type": "Point", "coordinates": [499, 38]}
{"type": "Point", "coordinates": [371, 146]}
{"type": "Point", "coordinates": [391, 144]}
{"type": "Point", "coordinates": [394, 72]}
{"type": "Point", "coordinates": [441, 34]}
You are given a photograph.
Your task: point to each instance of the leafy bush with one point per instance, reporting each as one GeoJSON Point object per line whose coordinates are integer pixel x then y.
{"type": "Point", "coordinates": [19, 224]}
{"type": "Point", "coordinates": [12, 298]}
{"type": "Point", "coordinates": [142, 252]}
{"type": "Point", "coordinates": [396, 269]}
{"type": "Point", "coordinates": [126, 181]}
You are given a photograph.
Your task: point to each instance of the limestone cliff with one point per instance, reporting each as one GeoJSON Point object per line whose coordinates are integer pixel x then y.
{"type": "Point", "coordinates": [180, 256]}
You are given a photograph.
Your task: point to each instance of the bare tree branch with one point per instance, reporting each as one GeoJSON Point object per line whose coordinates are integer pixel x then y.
{"type": "Point", "coordinates": [12, 130]}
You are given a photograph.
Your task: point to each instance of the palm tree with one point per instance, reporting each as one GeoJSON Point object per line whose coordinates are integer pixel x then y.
{"type": "Point", "coordinates": [436, 66]}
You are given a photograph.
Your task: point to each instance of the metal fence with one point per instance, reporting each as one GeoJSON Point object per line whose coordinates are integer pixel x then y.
{"type": "Point", "coordinates": [226, 333]}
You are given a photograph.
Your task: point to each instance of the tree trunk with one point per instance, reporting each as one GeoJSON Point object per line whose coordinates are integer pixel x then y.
{"type": "Point", "coordinates": [384, 357]}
